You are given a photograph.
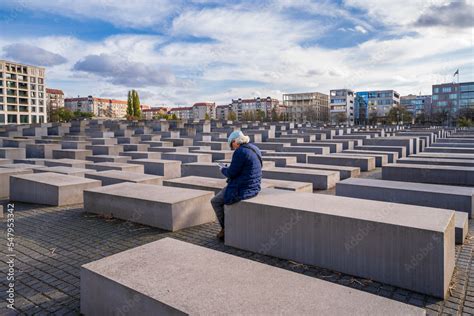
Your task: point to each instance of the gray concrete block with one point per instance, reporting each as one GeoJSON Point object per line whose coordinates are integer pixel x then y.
{"type": "Point", "coordinates": [169, 149]}
{"type": "Point", "coordinates": [462, 227]}
{"type": "Point", "coordinates": [71, 144]}
{"type": "Point", "coordinates": [437, 161]}
{"type": "Point", "coordinates": [77, 154]}
{"type": "Point", "coordinates": [380, 159]}
{"type": "Point", "coordinates": [41, 150]}
{"type": "Point", "coordinates": [202, 169]}
{"type": "Point", "coordinates": [49, 188]}
{"type": "Point", "coordinates": [344, 172]}
{"type": "Point", "coordinates": [197, 183]}
{"type": "Point", "coordinates": [321, 179]}
{"type": "Point", "coordinates": [452, 175]}
{"type": "Point", "coordinates": [362, 162]}
{"type": "Point", "coordinates": [107, 158]}
{"type": "Point", "coordinates": [453, 150]}
{"type": "Point", "coordinates": [128, 167]}
{"type": "Point", "coordinates": [74, 163]}
{"type": "Point", "coordinates": [111, 150]}
{"type": "Point", "coordinates": [353, 236]}
{"type": "Point", "coordinates": [183, 279]}
{"type": "Point", "coordinates": [77, 172]}
{"type": "Point", "coordinates": [187, 157]}
{"type": "Point", "coordinates": [400, 150]}
{"type": "Point", "coordinates": [280, 161]}
{"type": "Point", "coordinates": [169, 169]}
{"type": "Point", "coordinates": [110, 177]}
{"type": "Point", "coordinates": [141, 154]}
{"type": "Point", "coordinates": [300, 157]}
{"type": "Point", "coordinates": [391, 155]}
{"type": "Point", "coordinates": [307, 149]}
{"type": "Point", "coordinates": [4, 161]}
{"type": "Point", "coordinates": [456, 198]}
{"type": "Point", "coordinates": [5, 174]}
{"type": "Point", "coordinates": [12, 153]}
{"type": "Point", "coordinates": [158, 206]}
{"type": "Point", "coordinates": [216, 154]}
{"type": "Point", "coordinates": [135, 147]}
{"type": "Point", "coordinates": [443, 155]}
{"type": "Point", "coordinates": [103, 141]}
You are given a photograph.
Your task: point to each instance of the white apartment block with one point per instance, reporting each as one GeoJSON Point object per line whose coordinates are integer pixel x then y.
{"type": "Point", "coordinates": [341, 105]}
{"type": "Point", "coordinates": [266, 105]}
{"type": "Point", "coordinates": [100, 107]}
{"type": "Point", "coordinates": [54, 100]}
{"type": "Point", "coordinates": [309, 106]}
{"type": "Point", "coordinates": [22, 94]}
{"type": "Point", "coordinates": [183, 113]}
{"type": "Point", "coordinates": [204, 110]}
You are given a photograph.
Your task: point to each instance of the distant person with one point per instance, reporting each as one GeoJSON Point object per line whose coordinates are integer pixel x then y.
{"type": "Point", "coordinates": [243, 176]}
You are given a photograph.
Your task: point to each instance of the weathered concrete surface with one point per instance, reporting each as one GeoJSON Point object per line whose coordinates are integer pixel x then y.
{"type": "Point", "coordinates": [300, 157]}
{"type": "Point", "coordinates": [107, 158]}
{"type": "Point", "coordinates": [41, 150]}
{"type": "Point", "coordinates": [392, 156]}
{"type": "Point", "coordinates": [169, 169]}
{"type": "Point", "coordinates": [187, 157]}
{"type": "Point", "coordinates": [443, 155]}
{"type": "Point", "coordinates": [456, 198]}
{"type": "Point", "coordinates": [5, 174]}
{"type": "Point", "coordinates": [74, 163]}
{"type": "Point", "coordinates": [178, 278]}
{"type": "Point", "coordinates": [77, 154]}
{"type": "Point", "coordinates": [362, 162]}
{"type": "Point", "coordinates": [104, 166]}
{"type": "Point", "coordinates": [198, 183]}
{"type": "Point", "coordinates": [280, 161]}
{"type": "Point", "coordinates": [307, 149]}
{"type": "Point", "coordinates": [110, 177]}
{"type": "Point", "coordinates": [344, 172]}
{"type": "Point", "coordinates": [49, 188]}
{"type": "Point", "coordinates": [78, 172]}
{"type": "Point", "coordinates": [353, 236]}
{"type": "Point", "coordinates": [452, 175]}
{"type": "Point", "coordinates": [400, 150]}
{"type": "Point", "coordinates": [454, 150]}
{"type": "Point", "coordinates": [141, 154]}
{"type": "Point", "coordinates": [158, 206]}
{"type": "Point", "coordinates": [380, 159]}
{"type": "Point", "coordinates": [321, 179]}
{"type": "Point", "coordinates": [437, 161]}
{"type": "Point", "coordinates": [12, 153]}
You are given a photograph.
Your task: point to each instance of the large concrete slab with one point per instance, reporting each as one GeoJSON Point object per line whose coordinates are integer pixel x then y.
{"type": "Point", "coordinates": [169, 169]}
{"type": "Point", "coordinates": [321, 179]}
{"type": "Point", "coordinates": [307, 149]}
{"type": "Point", "coordinates": [12, 153]}
{"type": "Point", "coordinates": [107, 158]}
{"type": "Point", "coordinates": [49, 188]}
{"type": "Point", "coordinates": [344, 172]}
{"type": "Point", "coordinates": [74, 163]}
{"type": "Point", "coordinates": [158, 206]}
{"type": "Point", "coordinates": [362, 162]}
{"type": "Point", "coordinates": [456, 198]}
{"type": "Point", "coordinates": [178, 278]}
{"type": "Point", "coordinates": [453, 150]}
{"type": "Point", "coordinates": [78, 172]}
{"type": "Point", "coordinates": [187, 157]}
{"type": "Point", "coordinates": [141, 154]}
{"type": "Point", "coordinates": [110, 177]}
{"type": "Point", "coordinates": [41, 150]}
{"type": "Point", "coordinates": [353, 236]}
{"type": "Point", "coordinates": [400, 150]}
{"type": "Point", "coordinates": [437, 161]}
{"type": "Point", "coordinates": [5, 174]}
{"type": "Point", "coordinates": [77, 154]}
{"type": "Point", "coordinates": [391, 155]}
{"type": "Point", "coordinates": [452, 175]}
{"type": "Point", "coordinates": [380, 159]}
{"type": "Point", "coordinates": [128, 167]}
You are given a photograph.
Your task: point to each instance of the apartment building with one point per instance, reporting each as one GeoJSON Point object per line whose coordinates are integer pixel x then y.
{"type": "Point", "coordinates": [99, 107]}
{"type": "Point", "coordinates": [183, 113]}
{"type": "Point", "coordinates": [150, 113]}
{"type": "Point", "coordinates": [309, 106]}
{"type": "Point", "coordinates": [266, 105]}
{"type": "Point", "coordinates": [204, 110]}
{"type": "Point", "coordinates": [341, 106]}
{"type": "Point", "coordinates": [54, 100]}
{"type": "Point", "coordinates": [22, 94]}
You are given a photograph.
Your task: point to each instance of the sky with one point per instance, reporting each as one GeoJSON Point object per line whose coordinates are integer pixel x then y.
{"type": "Point", "coordinates": [176, 52]}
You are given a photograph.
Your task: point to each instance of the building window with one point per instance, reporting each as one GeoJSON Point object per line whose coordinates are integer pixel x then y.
{"type": "Point", "coordinates": [23, 108]}
{"type": "Point", "coordinates": [462, 87]}
{"type": "Point", "coordinates": [446, 89]}
{"type": "Point", "coordinates": [2, 118]}
{"type": "Point", "coordinates": [33, 119]}
{"type": "Point", "coordinates": [442, 103]}
{"type": "Point", "coordinates": [23, 118]}
{"type": "Point", "coordinates": [12, 118]}
{"type": "Point", "coordinates": [453, 96]}
{"type": "Point", "coordinates": [32, 79]}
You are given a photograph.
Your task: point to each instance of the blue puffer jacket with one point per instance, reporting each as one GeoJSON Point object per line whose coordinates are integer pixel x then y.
{"type": "Point", "coordinates": [244, 174]}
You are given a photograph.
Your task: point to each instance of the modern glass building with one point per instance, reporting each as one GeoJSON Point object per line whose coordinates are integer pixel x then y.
{"type": "Point", "coordinates": [361, 108]}
{"type": "Point", "coordinates": [453, 98]}
{"type": "Point", "coordinates": [417, 104]}
{"type": "Point", "coordinates": [380, 101]}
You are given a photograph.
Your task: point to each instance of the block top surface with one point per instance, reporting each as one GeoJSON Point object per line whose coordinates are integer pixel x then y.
{"type": "Point", "coordinates": [124, 175]}
{"type": "Point", "coordinates": [55, 179]}
{"type": "Point", "coordinates": [301, 171]}
{"type": "Point", "coordinates": [317, 166]}
{"type": "Point", "coordinates": [427, 218]}
{"type": "Point", "coordinates": [200, 181]}
{"type": "Point", "coordinates": [434, 167]}
{"type": "Point", "coordinates": [151, 160]}
{"type": "Point", "coordinates": [201, 281]}
{"type": "Point", "coordinates": [150, 192]}
{"type": "Point", "coordinates": [409, 186]}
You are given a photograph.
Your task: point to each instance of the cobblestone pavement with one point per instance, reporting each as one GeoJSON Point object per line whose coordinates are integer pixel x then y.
{"type": "Point", "coordinates": [52, 243]}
